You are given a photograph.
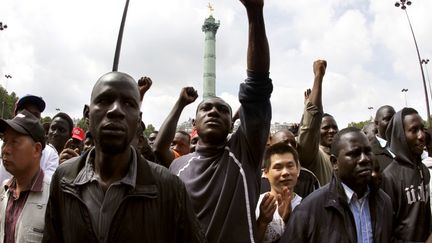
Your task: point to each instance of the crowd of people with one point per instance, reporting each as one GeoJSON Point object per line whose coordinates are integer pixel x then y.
{"type": "Point", "coordinates": [312, 184]}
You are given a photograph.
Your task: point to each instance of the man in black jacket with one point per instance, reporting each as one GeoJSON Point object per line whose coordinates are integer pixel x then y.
{"type": "Point", "coordinates": [406, 179]}
{"type": "Point", "coordinates": [111, 193]}
{"type": "Point", "coordinates": [379, 143]}
{"type": "Point", "coordinates": [348, 209]}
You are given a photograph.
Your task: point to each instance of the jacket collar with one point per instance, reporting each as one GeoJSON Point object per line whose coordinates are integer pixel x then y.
{"type": "Point", "coordinates": [145, 182]}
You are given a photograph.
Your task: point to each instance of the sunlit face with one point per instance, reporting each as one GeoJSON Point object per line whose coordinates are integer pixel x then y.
{"type": "Point", "coordinates": [414, 133]}
{"type": "Point", "coordinates": [213, 120]}
{"type": "Point", "coordinates": [19, 152]}
{"type": "Point", "coordinates": [283, 172]}
{"type": "Point", "coordinates": [328, 130]}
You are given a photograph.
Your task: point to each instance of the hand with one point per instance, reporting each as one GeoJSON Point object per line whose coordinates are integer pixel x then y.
{"type": "Point", "coordinates": [307, 94]}
{"type": "Point", "coordinates": [319, 68]}
{"type": "Point", "coordinates": [144, 84]}
{"type": "Point", "coordinates": [253, 3]}
{"type": "Point", "coordinates": [188, 95]}
{"type": "Point", "coordinates": [284, 203]}
{"type": "Point", "coordinates": [68, 153]}
{"type": "Point", "coordinates": [267, 208]}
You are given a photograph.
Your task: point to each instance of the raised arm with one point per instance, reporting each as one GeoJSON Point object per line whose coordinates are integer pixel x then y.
{"type": "Point", "coordinates": [167, 131]}
{"type": "Point", "coordinates": [258, 57]}
{"type": "Point", "coordinates": [254, 95]}
{"type": "Point", "coordinates": [315, 97]}
{"type": "Point", "coordinates": [309, 134]}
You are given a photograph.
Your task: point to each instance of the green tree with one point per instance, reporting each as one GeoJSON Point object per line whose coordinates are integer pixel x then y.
{"type": "Point", "coordinates": [7, 104]}
{"type": "Point", "coordinates": [359, 124]}
{"type": "Point", "coordinates": [46, 119]}
{"type": "Point", "coordinates": [149, 129]}
{"type": "Point", "coordinates": [82, 124]}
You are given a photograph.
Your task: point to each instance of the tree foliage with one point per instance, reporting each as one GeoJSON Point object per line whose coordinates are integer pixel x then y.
{"type": "Point", "coordinates": [359, 124]}
{"type": "Point", "coordinates": [81, 123]}
{"type": "Point", "coordinates": [149, 129]}
{"type": "Point", "coordinates": [7, 104]}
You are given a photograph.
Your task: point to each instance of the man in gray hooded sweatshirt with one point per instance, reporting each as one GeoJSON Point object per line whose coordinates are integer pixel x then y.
{"type": "Point", "coordinates": [406, 179]}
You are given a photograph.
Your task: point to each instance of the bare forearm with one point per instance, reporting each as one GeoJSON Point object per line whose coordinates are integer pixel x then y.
{"type": "Point", "coordinates": [258, 57]}
{"type": "Point", "coordinates": [166, 135]}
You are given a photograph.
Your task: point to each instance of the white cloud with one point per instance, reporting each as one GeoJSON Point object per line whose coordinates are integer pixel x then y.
{"type": "Point", "coordinates": [58, 49]}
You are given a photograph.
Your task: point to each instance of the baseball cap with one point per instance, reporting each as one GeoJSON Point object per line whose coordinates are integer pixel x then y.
{"type": "Point", "coordinates": [78, 133]}
{"type": "Point", "coordinates": [30, 99]}
{"type": "Point", "coordinates": [25, 123]}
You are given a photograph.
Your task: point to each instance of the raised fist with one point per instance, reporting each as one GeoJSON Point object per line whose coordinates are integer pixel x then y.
{"type": "Point", "coordinates": [144, 84]}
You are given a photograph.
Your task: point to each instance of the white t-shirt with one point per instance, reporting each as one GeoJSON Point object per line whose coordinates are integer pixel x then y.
{"type": "Point", "coordinates": [49, 162]}
{"type": "Point", "coordinates": [276, 227]}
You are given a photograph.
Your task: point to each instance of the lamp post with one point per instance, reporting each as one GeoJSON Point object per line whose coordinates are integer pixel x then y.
{"type": "Point", "coordinates": [370, 108]}
{"type": "Point", "coordinates": [405, 92]}
{"type": "Point", "coordinates": [2, 26]}
{"type": "Point", "coordinates": [425, 62]}
{"type": "Point", "coordinates": [403, 5]}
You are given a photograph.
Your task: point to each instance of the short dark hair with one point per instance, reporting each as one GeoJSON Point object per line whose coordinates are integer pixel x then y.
{"type": "Point", "coordinates": [326, 114]}
{"type": "Point", "coordinates": [67, 118]}
{"type": "Point", "coordinates": [334, 150]}
{"type": "Point", "coordinates": [214, 97]}
{"type": "Point", "coordinates": [408, 111]}
{"type": "Point", "coordinates": [279, 148]}
{"type": "Point", "coordinates": [185, 133]}
{"type": "Point", "coordinates": [378, 112]}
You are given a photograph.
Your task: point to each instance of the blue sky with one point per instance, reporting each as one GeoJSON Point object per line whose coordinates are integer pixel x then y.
{"type": "Point", "coordinates": [58, 49]}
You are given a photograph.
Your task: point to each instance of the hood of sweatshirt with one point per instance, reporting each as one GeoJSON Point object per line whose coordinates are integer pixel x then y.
{"type": "Point", "coordinates": [397, 142]}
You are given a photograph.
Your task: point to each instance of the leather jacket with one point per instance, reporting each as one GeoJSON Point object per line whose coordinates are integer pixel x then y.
{"type": "Point", "coordinates": [325, 216]}
{"type": "Point", "coordinates": [156, 210]}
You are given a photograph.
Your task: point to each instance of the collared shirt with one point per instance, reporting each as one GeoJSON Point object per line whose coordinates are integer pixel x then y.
{"type": "Point", "coordinates": [16, 203]}
{"type": "Point", "coordinates": [360, 210]}
{"type": "Point", "coordinates": [103, 205]}
{"type": "Point", "coordinates": [383, 144]}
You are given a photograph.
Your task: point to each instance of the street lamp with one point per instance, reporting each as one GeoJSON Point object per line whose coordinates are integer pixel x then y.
{"type": "Point", "coordinates": [424, 62]}
{"type": "Point", "coordinates": [2, 26]}
{"type": "Point", "coordinates": [370, 108]}
{"type": "Point", "coordinates": [403, 5]}
{"type": "Point", "coordinates": [405, 91]}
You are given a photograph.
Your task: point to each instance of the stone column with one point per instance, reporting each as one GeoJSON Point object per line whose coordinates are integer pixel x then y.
{"type": "Point", "coordinates": [209, 79]}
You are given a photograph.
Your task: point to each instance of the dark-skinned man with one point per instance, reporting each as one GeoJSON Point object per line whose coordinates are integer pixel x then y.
{"type": "Point", "coordinates": [379, 144]}
{"type": "Point", "coordinates": [406, 179]}
{"type": "Point", "coordinates": [111, 193]}
{"type": "Point", "coordinates": [222, 176]}
{"type": "Point", "coordinates": [60, 131]}
{"type": "Point", "coordinates": [316, 130]}
{"type": "Point", "coordinates": [348, 209]}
